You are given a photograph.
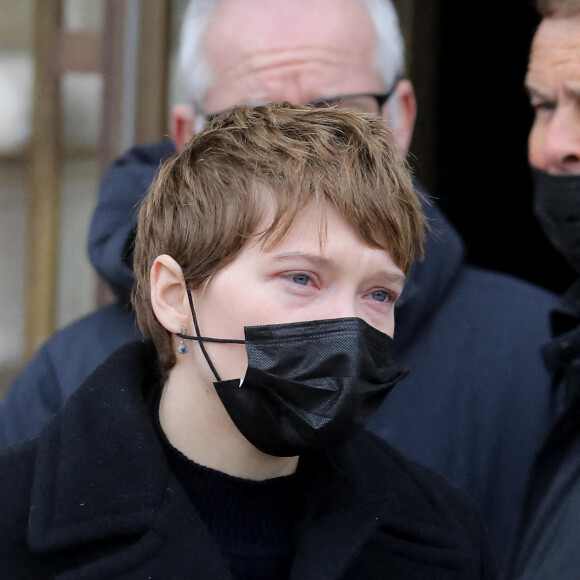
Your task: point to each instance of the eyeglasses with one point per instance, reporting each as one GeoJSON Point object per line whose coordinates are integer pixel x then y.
{"type": "Point", "coordinates": [362, 102]}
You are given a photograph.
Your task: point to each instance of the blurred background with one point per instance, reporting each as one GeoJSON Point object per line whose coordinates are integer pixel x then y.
{"type": "Point", "coordinates": [70, 73]}
{"type": "Point", "coordinates": [83, 80]}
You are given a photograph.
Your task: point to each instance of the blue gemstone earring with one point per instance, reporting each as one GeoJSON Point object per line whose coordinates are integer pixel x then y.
{"type": "Point", "coordinates": [183, 348]}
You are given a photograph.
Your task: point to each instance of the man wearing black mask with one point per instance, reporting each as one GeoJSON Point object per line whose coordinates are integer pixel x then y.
{"type": "Point", "coordinates": [547, 543]}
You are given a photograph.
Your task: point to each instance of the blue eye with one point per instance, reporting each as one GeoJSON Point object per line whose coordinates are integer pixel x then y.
{"type": "Point", "coordinates": [380, 296]}
{"type": "Point", "coordinates": [301, 279]}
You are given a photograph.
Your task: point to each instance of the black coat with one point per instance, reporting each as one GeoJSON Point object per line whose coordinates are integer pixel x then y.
{"type": "Point", "coordinates": [548, 539]}
{"type": "Point", "coordinates": [93, 497]}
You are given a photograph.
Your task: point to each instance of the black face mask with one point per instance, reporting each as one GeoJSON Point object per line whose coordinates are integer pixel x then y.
{"type": "Point", "coordinates": [309, 386]}
{"type": "Point", "coordinates": [557, 207]}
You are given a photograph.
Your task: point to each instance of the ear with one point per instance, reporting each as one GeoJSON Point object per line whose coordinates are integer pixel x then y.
{"type": "Point", "coordinates": [406, 113]}
{"type": "Point", "coordinates": [169, 294]}
{"type": "Point", "coordinates": [182, 124]}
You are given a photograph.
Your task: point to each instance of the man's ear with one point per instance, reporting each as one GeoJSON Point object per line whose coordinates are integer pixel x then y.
{"type": "Point", "coordinates": [169, 294]}
{"type": "Point", "coordinates": [182, 124]}
{"type": "Point", "coordinates": [405, 110]}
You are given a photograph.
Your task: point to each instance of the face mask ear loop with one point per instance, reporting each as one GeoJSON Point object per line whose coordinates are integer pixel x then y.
{"type": "Point", "coordinates": [200, 339]}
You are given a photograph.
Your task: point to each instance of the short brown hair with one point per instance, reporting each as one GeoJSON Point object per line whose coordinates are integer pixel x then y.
{"type": "Point", "coordinates": [208, 199]}
{"type": "Point", "coordinates": [558, 8]}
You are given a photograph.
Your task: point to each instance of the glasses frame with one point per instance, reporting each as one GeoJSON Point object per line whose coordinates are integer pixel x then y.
{"type": "Point", "coordinates": [380, 98]}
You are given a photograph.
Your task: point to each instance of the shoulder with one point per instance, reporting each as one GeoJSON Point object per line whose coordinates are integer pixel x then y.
{"type": "Point", "coordinates": [413, 482]}
{"type": "Point", "coordinates": [126, 180]}
{"type": "Point", "coordinates": [425, 499]}
{"type": "Point", "coordinates": [114, 318]}
{"type": "Point", "coordinates": [149, 154]}
{"type": "Point", "coordinates": [60, 366]}
{"type": "Point", "coordinates": [507, 293]}
{"type": "Point", "coordinates": [483, 306]}
{"type": "Point", "coordinates": [74, 351]}
{"type": "Point", "coordinates": [423, 513]}
{"type": "Point", "coordinates": [140, 159]}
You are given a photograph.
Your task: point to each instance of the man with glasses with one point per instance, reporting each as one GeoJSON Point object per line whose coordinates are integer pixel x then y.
{"type": "Point", "coordinates": [470, 336]}
{"type": "Point", "coordinates": [364, 102]}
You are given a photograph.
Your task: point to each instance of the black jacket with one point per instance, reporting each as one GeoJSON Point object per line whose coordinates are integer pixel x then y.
{"type": "Point", "coordinates": [93, 497]}
{"type": "Point", "coordinates": [474, 409]}
{"type": "Point", "coordinates": [549, 533]}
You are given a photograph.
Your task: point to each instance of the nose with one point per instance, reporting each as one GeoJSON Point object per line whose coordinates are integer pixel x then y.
{"type": "Point", "coordinates": [562, 142]}
{"type": "Point", "coordinates": [340, 307]}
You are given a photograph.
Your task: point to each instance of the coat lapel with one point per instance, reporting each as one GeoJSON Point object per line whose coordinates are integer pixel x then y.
{"type": "Point", "coordinates": [90, 482]}
{"type": "Point", "coordinates": [103, 489]}
{"type": "Point", "coordinates": [384, 505]}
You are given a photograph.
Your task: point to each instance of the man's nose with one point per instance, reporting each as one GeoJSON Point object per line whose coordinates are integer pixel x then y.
{"type": "Point", "coordinates": [562, 144]}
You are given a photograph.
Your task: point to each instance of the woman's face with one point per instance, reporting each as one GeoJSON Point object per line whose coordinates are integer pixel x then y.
{"type": "Point", "coordinates": [300, 279]}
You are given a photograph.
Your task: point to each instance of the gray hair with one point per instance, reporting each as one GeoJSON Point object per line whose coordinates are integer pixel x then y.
{"type": "Point", "coordinates": [195, 74]}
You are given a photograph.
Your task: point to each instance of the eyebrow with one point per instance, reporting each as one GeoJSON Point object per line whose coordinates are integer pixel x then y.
{"type": "Point", "coordinates": [391, 276]}
{"type": "Point", "coordinates": [533, 93]}
{"type": "Point", "coordinates": [303, 257]}
{"type": "Point", "coordinates": [394, 277]}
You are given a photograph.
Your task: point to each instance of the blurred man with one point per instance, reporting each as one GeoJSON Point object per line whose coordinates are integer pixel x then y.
{"type": "Point", "coordinates": [549, 534]}
{"type": "Point", "coordinates": [471, 337]}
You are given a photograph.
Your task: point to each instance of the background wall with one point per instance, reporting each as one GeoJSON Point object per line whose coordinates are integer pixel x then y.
{"type": "Point", "coordinates": [79, 150]}
{"type": "Point", "coordinates": [16, 72]}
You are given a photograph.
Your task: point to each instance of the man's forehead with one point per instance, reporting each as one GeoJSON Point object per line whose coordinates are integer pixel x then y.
{"type": "Point", "coordinates": [296, 51]}
{"type": "Point", "coordinates": [260, 26]}
{"type": "Point", "coordinates": [288, 18]}
{"type": "Point", "coordinates": [555, 56]}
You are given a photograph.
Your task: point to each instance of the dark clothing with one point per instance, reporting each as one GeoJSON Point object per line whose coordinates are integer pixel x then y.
{"type": "Point", "coordinates": [115, 218]}
{"type": "Point", "coordinates": [474, 409]}
{"type": "Point", "coordinates": [548, 537]}
{"type": "Point", "coordinates": [250, 521]}
{"type": "Point", "coordinates": [62, 362]}
{"type": "Point", "coordinates": [94, 497]}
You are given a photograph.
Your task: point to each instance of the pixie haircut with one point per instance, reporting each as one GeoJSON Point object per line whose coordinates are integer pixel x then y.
{"type": "Point", "coordinates": [558, 8]}
{"type": "Point", "coordinates": [251, 166]}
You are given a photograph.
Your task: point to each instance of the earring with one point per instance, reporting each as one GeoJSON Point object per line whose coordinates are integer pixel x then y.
{"type": "Point", "coordinates": [183, 348]}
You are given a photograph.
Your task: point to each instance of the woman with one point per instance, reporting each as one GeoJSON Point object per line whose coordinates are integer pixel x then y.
{"type": "Point", "coordinates": [269, 257]}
